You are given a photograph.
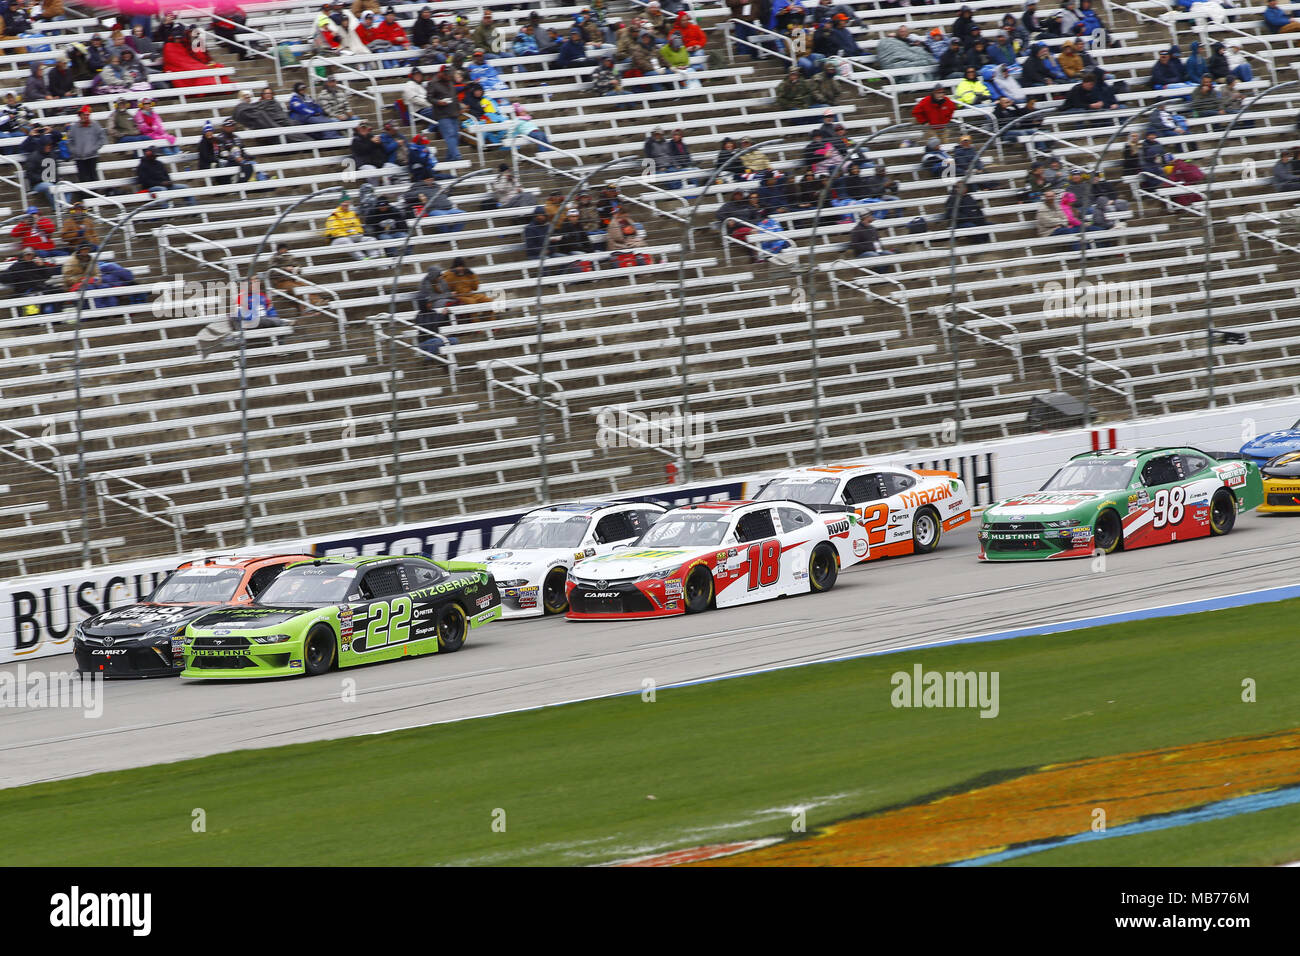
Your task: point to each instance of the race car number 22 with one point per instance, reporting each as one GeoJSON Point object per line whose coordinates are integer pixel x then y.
{"type": "Point", "coordinates": [390, 623]}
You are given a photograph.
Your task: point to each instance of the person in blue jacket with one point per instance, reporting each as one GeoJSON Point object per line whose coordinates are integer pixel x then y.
{"type": "Point", "coordinates": [303, 110]}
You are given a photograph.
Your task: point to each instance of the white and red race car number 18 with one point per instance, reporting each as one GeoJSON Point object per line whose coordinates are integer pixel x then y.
{"type": "Point", "coordinates": [764, 564]}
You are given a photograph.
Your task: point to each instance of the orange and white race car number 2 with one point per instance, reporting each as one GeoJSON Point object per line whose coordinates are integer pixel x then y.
{"type": "Point", "coordinates": [874, 518]}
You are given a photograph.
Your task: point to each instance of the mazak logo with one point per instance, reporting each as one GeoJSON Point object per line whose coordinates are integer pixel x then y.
{"type": "Point", "coordinates": [922, 688]}
{"type": "Point", "coordinates": [75, 909]}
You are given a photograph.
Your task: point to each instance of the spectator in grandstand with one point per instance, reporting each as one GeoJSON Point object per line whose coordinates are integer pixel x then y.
{"type": "Point", "coordinates": [35, 87]}
{"type": "Point", "coordinates": [935, 160]}
{"type": "Point", "coordinates": [753, 161]}
{"type": "Point", "coordinates": [121, 126]}
{"type": "Point", "coordinates": [154, 177]}
{"type": "Point", "coordinates": [368, 151]}
{"type": "Point", "coordinates": [1002, 51]}
{"type": "Point", "coordinates": [1284, 177]}
{"type": "Point", "coordinates": [415, 95]}
{"type": "Point", "coordinates": [487, 37]}
{"type": "Point", "coordinates": [1002, 83]}
{"type": "Point", "coordinates": [1234, 101]}
{"type": "Point", "coordinates": [1168, 72]}
{"type": "Point", "coordinates": [85, 139]}
{"type": "Point", "coordinates": [464, 284]}
{"type": "Point", "coordinates": [1071, 60]}
{"type": "Point", "coordinates": [304, 111]}
{"type": "Point", "coordinates": [1164, 123]}
{"type": "Point", "coordinates": [335, 100]}
{"type": "Point", "coordinates": [1195, 66]}
{"type": "Point", "coordinates": [265, 113]}
{"type": "Point", "coordinates": [900, 51]}
{"type": "Point", "coordinates": [386, 221]}
{"type": "Point", "coordinates": [935, 109]}
{"type": "Point", "coordinates": [182, 53]}
{"type": "Point", "coordinates": [972, 90]}
{"type": "Point", "coordinates": [954, 60]}
{"type": "Point", "coordinates": [864, 240]}
{"type": "Point", "coordinates": [573, 52]}
{"type": "Point", "coordinates": [624, 236]}
{"type": "Point", "coordinates": [1036, 183]}
{"type": "Point", "coordinates": [446, 111]}
{"type": "Point", "coordinates": [40, 163]}
{"type": "Point", "coordinates": [1206, 100]}
{"type": "Point", "coordinates": [35, 232]}
{"type": "Point", "coordinates": [150, 125]}
{"type": "Point", "coordinates": [1090, 95]}
{"type": "Point", "coordinates": [1051, 218]}
{"type": "Point", "coordinates": [692, 37]}
{"type": "Point", "coordinates": [571, 239]}
{"type": "Point", "coordinates": [1277, 20]}
{"type": "Point", "coordinates": [793, 93]}
{"type": "Point", "coordinates": [1039, 69]}
{"type": "Point", "coordinates": [1029, 20]}
{"type": "Point", "coordinates": [28, 276]}
{"type": "Point", "coordinates": [964, 157]}
{"type": "Point", "coordinates": [61, 81]}
{"type": "Point", "coordinates": [284, 275]}
{"type": "Point", "coordinates": [78, 268]}
{"type": "Point", "coordinates": [966, 208]}
{"type": "Point", "coordinates": [825, 89]}
{"type": "Point", "coordinates": [78, 229]}
{"type": "Point", "coordinates": [425, 27]}
{"type": "Point", "coordinates": [420, 159]}
{"type": "Point", "coordinates": [343, 228]}
{"type": "Point", "coordinates": [253, 310]}
{"type": "Point", "coordinates": [535, 232]}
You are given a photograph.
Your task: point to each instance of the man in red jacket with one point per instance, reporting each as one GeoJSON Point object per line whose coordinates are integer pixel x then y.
{"type": "Point", "coordinates": [35, 232]}
{"type": "Point", "coordinates": [693, 37]}
{"type": "Point", "coordinates": [390, 30]}
{"type": "Point", "coordinates": [934, 110]}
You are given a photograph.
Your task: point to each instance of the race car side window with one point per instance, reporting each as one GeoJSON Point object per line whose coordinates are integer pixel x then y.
{"type": "Point", "coordinates": [756, 526]}
{"type": "Point", "coordinates": [1161, 470]}
{"type": "Point", "coordinates": [422, 575]}
{"type": "Point", "coordinates": [613, 527]}
{"type": "Point", "coordinates": [894, 483]}
{"type": "Point", "coordinates": [1192, 464]}
{"type": "Point", "coordinates": [262, 577]}
{"type": "Point", "coordinates": [864, 488]}
{"type": "Point", "coordinates": [381, 582]}
{"type": "Point", "coordinates": [793, 519]}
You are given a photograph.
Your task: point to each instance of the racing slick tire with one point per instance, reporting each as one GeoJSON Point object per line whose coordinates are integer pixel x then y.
{"type": "Point", "coordinates": [927, 529]}
{"type": "Point", "coordinates": [697, 592]}
{"type": "Point", "coordinates": [554, 600]}
{"type": "Point", "coordinates": [1108, 532]}
{"type": "Point", "coordinates": [452, 626]}
{"type": "Point", "coordinates": [318, 653]}
{"type": "Point", "coordinates": [823, 568]}
{"type": "Point", "coordinates": [1223, 512]}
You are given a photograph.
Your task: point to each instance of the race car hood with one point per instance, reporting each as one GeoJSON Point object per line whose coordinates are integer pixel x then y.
{"type": "Point", "coordinates": [1041, 504]}
{"type": "Point", "coordinates": [249, 618]}
{"type": "Point", "coordinates": [630, 562]}
{"type": "Point", "coordinates": [1271, 444]}
{"type": "Point", "coordinates": [136, 619]}
{"type": "Point", "coordinates": [507, 564]}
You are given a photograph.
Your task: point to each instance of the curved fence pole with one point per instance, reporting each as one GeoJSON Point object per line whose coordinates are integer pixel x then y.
{"type": "Point", "coordinates": [964, 182]}
{"type": "Point", "coordinates": [392, 346]}
{"type": "Point", "coordinates": [1209, 229]}
{"type": "Point", "coordinates": [810, 277]}
{"type": "Point", "coordinates": [541, 326]}
{"type": "Point", "coordinates": [122, 222]}
{"type": "Point", "coordinates": [686, 241]}
{"type": "Point", "coordinates": [1084, 245]}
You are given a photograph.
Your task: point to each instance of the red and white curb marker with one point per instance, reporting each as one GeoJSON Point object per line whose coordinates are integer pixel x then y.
{"type": "Point", "coordinates": [696, 854]}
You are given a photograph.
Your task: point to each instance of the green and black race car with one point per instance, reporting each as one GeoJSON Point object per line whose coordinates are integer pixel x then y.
{"type": "Point", "coordinates": [1105, 500]}
{"type": "Point", "coordinates": [343, 611]}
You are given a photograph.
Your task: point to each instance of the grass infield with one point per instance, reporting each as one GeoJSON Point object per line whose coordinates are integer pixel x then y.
{"type": "Point", "coordinates": [617, 778]}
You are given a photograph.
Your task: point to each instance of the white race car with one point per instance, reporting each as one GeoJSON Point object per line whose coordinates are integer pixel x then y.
{"type": "Point", "coordinates": [718, 554]}
{"type": "Point", "coordinates": [531, 561]}
{"type": "Point", "coordinates": [904, 511]}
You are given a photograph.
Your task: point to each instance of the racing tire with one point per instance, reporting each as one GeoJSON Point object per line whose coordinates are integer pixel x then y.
{"type": "Point", "coordinates": [927, 529]}
{"type": "Point", "coordinates": [697, 592]}
{"type": "Point", "coordinates": [1223, 512]}
{"type": "Point", "coordinates": [823, 568]}
{"type": "Point", "coordinates": [554, 600]}
{"type": "Point", "coordinates": [452, 626]}
{"type": "Point", "coordinates": [1107, 533]}
{"type": "Point", "coordinates": [318, 652]}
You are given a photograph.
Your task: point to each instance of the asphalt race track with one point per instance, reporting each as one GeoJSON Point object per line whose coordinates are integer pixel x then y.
{"type": "Point", "coordinates": [509, 665]}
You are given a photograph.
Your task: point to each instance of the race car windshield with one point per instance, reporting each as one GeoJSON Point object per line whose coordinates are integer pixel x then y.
{"type": "Point", "coordinates": [546, 531]}
{"type": "Point", "coordinates": [199, 586]}
{"type": "Point", "coordinates": [685, 530]}
{"type": "Point", "coordinates": [317, 584]}
{"type": "Point", "coordinates": [1091, 476]}
{"type": "Point", "coordinates": [819, 492]}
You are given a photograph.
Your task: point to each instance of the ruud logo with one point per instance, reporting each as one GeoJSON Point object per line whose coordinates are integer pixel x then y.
{"type": "Point", "coordinates": [75, 909]}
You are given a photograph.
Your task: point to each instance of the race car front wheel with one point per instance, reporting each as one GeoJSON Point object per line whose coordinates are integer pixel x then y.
{"type": "Point", "coordinates": [1223, 512]}
{"type": "Point", "coordinates": [318, 654]}
{"type": "Point", "coordinates": [823, 568]}
{"type": "Point", "coordinates": [698, 591]}
{"type": "Point", "coordinates": [1107, 533]}
{"type": "Point", "coordinates": [926, 531]}
{"type": "Point", "coordinates": [554, 600]}
{"type": "Point", "coordinates": [452, 626]}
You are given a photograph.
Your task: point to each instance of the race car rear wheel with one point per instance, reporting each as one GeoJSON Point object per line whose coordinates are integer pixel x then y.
{"type": "Point", "coordinates": [926, 531]}
{"type": "Point", "coordinates": [823, 568]}
{"type": "Point", "coordinates": [554, 600]}
{"type": "Point", "coordinates": [1108, 532]}
{"type": "Point", "coordinates": [318, 653]}
{"type": "Point", "coordinates": [697, 593]}
{"type": "Point", "coordinates": [452, 625]}
{"type": "Point", "coordinates": [1223, 512]}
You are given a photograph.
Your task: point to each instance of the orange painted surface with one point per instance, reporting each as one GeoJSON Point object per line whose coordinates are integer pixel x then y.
{"type": "Point", "coordinates": [1053, 801]}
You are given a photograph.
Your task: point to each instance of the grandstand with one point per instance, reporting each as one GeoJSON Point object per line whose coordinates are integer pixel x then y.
{"type": "Point", "coordinates": [912, 348]}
